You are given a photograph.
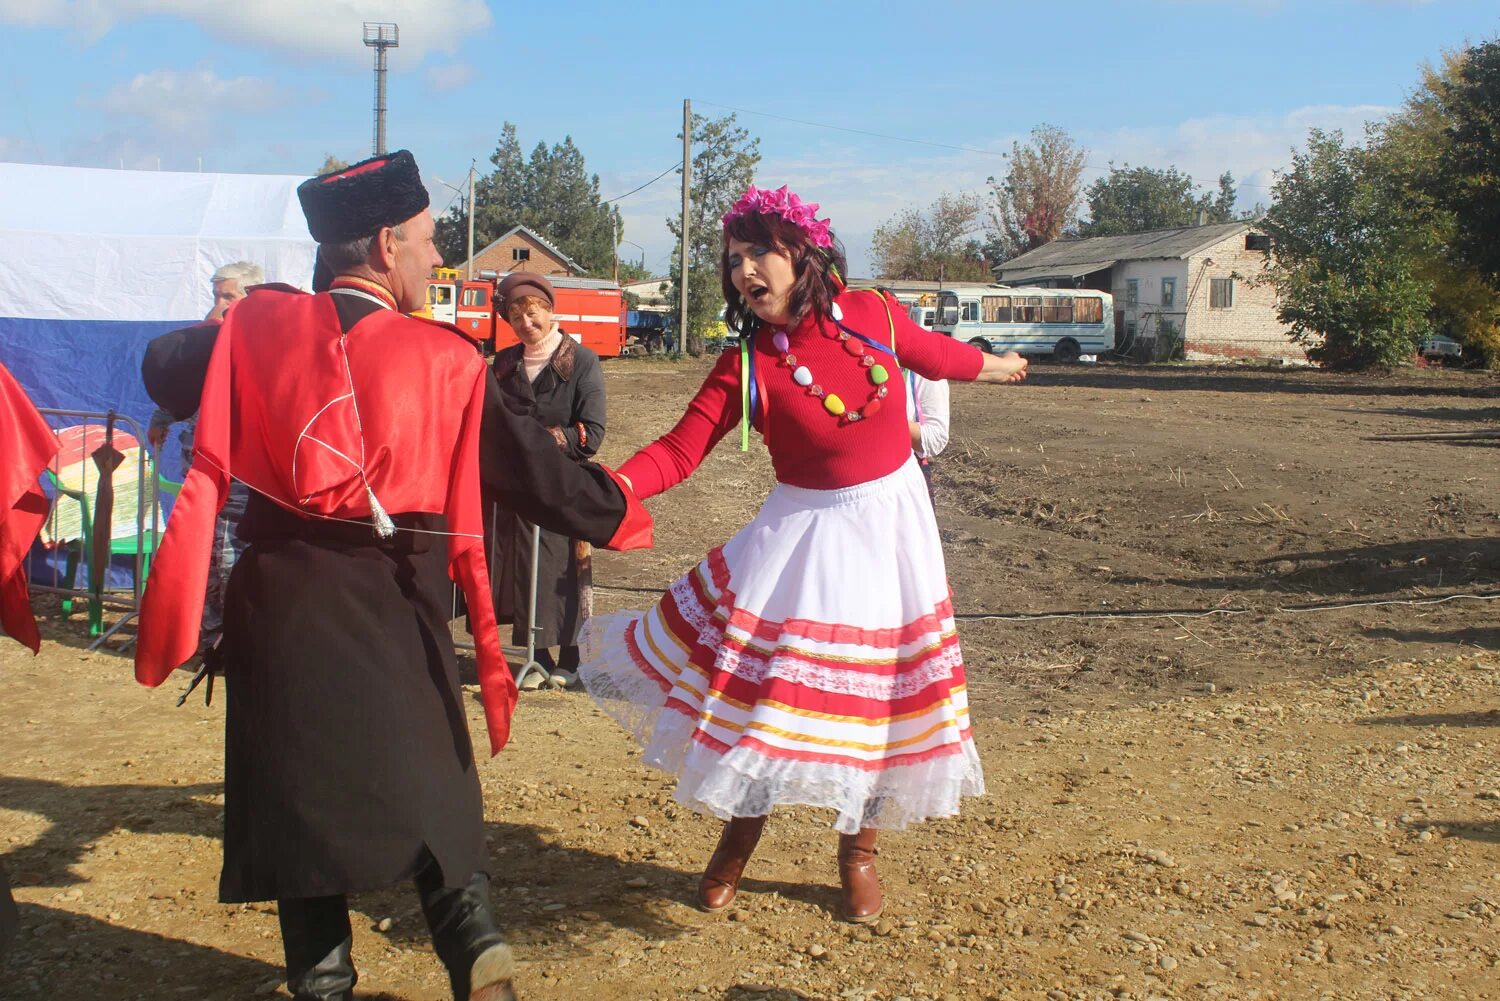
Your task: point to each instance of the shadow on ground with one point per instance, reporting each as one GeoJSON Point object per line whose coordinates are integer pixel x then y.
{"type": "Point", "coordinates": [1381, 569]}
{"type": "Point", "coordinates": [79, 815]}
{"type": "Point", "coordinates": [1471, 414]}
{"type": "Point", "coordinates": [95, 955]}
{"type": "Point", "coordinates": [756, 992]}
{"type": "Point", "coordinates": [1162, 378]}
{"type": "Point", "coordinates": [1470, 830]}
{"type": "Point", "coordinates": [1490, 717]}
{"type": "Point", "coordinates": [1483, 637]}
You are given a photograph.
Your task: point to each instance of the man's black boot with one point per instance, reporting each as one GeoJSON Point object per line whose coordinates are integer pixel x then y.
{"type": "Point", "coordinates": [316, 937]}
{"type": "Point", "coordinates": [464, 935]}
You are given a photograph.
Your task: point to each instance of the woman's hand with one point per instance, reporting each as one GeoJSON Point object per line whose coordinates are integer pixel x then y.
{"type": "Point", "coordinates": [1009, 367]}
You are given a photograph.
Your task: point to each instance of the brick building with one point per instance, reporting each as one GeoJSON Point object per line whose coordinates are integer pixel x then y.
{"type": "Point", "coordinates": [1185, 292]}
{"type": "Point", "coordinates": [521, 249]}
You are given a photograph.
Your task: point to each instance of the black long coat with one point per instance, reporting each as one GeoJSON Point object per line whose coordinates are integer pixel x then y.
{"type": "Point", "coordinates": [347, 753]}
{"type": "Point", "coordinates": [569, 398]}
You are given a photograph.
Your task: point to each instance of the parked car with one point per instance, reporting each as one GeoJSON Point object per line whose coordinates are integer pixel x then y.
{"type": "Point", "coordinates": [1444, 350]}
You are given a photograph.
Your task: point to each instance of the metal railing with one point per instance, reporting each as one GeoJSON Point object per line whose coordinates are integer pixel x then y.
{"type": "Point", "coordinates": [531, 664]}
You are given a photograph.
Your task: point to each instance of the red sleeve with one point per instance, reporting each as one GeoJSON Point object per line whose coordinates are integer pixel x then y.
{"type": "Point", "coordinates": [670, 459]}
{"type": "Point", "coordinates": [467, 567]}
{"type": "Point", "coordinates": [930, 355]}
{"type": "Point", "coordinates": [167, 631]}
{"type": "Point", "coordinates": [28, 444]}
{"type": "Point", "coordinates": [635, 528]}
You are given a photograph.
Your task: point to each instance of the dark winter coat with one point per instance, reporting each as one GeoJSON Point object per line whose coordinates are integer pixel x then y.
{"type": "Point", "coordinates": [569, 398]}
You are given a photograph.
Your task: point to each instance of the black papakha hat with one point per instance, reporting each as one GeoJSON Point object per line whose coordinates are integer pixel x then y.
{"type": "Point", "coordinates": [357, 201]}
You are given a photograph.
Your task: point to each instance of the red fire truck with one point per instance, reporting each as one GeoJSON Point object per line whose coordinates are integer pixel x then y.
{"type": "Point", "coordinates": [592, 310]}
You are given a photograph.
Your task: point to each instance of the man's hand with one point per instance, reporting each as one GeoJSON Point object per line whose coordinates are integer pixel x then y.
{"type": "Point", "coordinates": [156, 434]}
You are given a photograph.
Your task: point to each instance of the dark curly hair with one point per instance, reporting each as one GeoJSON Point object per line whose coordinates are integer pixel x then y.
{"type": "Point", "coordinates": [816, 283]}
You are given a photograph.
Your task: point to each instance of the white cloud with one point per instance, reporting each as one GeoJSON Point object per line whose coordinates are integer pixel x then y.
{"type": "Point", "coordinates": [1252, 147]}
{"type": "Point", "coordinates": [328, 28]}
{"type": "Point", "coordinates": [187, 103]}
{"type": "Point", "coordinates": [859, 192]}
{"type": "Point", "coordinates": [32, 12]}
{"type": "Point", "coordinates": [445, 77]}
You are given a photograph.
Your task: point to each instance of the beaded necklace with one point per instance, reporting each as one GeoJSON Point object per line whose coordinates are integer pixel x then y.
{"type": "Point", "coordinates": [751, 392]}
{"type": "Point", "coordinates": [854, 344]}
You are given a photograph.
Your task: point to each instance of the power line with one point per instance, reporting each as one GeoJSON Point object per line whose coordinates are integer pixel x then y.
{"type": "Point", "coordinates": [643, 186]}
{"type": "Point", "coordinates": [456, 197]}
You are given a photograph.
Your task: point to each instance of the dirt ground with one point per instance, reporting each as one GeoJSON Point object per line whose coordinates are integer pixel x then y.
{"type": "Point", "coordinates": [1235, 746]}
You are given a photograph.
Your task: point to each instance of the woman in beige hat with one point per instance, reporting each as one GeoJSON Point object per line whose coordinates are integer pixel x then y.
{"type": "Point", "coordinates": [563, 378]}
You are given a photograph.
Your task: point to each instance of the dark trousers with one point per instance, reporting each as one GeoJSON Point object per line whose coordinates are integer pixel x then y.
{"type": "Point", "coordinates": [316, 936]}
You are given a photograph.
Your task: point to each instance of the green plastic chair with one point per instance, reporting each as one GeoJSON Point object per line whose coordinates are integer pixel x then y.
{"type": "Point", "coordinates": [125, 546]}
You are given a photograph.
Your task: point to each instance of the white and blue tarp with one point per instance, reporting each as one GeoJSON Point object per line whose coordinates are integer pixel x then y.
{"type": "Point", "coordinates": [95, 263]}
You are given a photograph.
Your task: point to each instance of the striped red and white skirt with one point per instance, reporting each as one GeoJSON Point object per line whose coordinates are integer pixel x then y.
{"type": "Point", "coordinates": [812, 659]}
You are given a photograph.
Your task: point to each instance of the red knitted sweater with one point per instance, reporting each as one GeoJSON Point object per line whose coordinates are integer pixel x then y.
{"type": "Point", "coordinates": [809, 447]}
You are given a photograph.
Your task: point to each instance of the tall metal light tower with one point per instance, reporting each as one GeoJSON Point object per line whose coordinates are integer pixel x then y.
{"type": "Point", "coordinates": [381, 35]}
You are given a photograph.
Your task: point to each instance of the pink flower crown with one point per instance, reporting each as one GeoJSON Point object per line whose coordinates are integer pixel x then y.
{"type": "Point", "coordinates": [787, 205]}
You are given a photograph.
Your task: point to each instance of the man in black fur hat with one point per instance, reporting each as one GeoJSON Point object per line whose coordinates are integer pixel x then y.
{"type": "Point", "coordinates": [364, 436]}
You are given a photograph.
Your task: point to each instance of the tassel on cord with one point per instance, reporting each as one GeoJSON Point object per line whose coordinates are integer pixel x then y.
{"type": "Point", "coordinates": [384, 527]}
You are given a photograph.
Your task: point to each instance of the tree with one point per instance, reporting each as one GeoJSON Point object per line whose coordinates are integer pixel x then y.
{"type": "Point", "coordinates": [1470, 163]}
{"type": "Point", "coordinates": [1221, 209]}
{"type": "Point", "coordinates": [724, 159]}
{"type": "Point", "coordinates": [332, 163]}
{"type": "Point", "coordinates": [551, 193]}
{"type": "Point", "coordinates": [1038, 200]}
{"type": "Point", "coordinates": [1413, 156]}
{"type": "Point", "coordinates": [564, 205]}
{"type": "Point", "coordinates": [939, 244]}
{"type": "Point", "coordinates": [1136, 199]}
{"type": "Point", "coordinates": [634, 271]}
{"type": "Point", "coordinates": [1340, 260]}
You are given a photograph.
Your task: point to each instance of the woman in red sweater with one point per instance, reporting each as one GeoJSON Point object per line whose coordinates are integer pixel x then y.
{"type": "Point", "coordinates": [812, 658]}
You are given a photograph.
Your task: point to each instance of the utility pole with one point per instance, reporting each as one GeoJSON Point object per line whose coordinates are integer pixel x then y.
{"type": "Point", "coordinates": [470, 267]}
{"type": "Point", "coordinates": [381, 35]}
{"type": "Point", "coordinates": [687, 181]}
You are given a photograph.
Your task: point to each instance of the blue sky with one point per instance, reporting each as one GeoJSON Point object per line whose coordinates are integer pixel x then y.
{"type": "Point", "coordinates": [271, 86]}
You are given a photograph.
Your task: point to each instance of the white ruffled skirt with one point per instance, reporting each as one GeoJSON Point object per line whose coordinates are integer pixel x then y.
{"type": "Point", "coordinates": [811, 659]}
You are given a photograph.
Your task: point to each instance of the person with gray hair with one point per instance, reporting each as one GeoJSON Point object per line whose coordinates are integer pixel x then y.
{"type": "Point", "coordinates": [230, 283]}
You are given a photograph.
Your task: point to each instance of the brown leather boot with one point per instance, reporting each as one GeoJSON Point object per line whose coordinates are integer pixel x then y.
{"type": "Point", "coordinates": [722, 877]}
{"type": "Point", "coordinates": [862, 900]}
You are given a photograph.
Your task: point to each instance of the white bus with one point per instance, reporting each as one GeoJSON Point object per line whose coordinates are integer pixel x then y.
{"type": "Point", "coordinates": [1062, 322]}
